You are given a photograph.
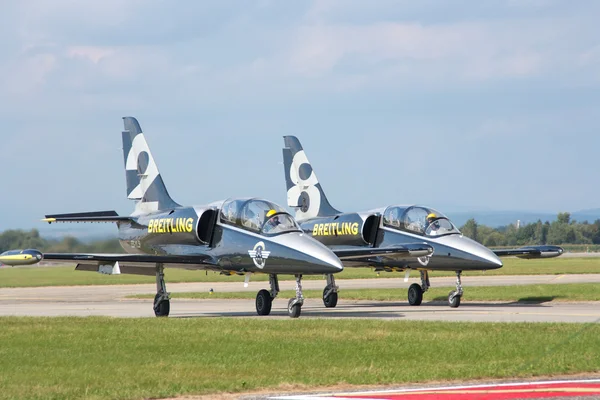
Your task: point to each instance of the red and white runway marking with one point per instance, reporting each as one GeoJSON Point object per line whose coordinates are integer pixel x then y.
{"type": "Point", "coordinates": [525, 390]}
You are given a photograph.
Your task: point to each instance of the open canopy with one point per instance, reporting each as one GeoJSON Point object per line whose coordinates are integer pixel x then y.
{"type": "Point", "coordinates": [418, 220]}
{"type": "Point", "coordinates": [258, 215]}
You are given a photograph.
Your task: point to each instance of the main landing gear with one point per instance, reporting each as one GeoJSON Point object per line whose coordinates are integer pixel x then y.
{"type": "Point", "coordinates": [330, 293]}
{"type": "Point", "coordinates": [162, 304]}
{"type": "Point", "coordinates": [415, 291]}
{"type": "Point", "coordinates": [454, 296]}
{"type": "Point", "coordinates": [264, 298]}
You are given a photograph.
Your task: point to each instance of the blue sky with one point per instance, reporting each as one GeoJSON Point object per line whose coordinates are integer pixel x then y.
{"type": "Point", "coordinates": [488, 105]}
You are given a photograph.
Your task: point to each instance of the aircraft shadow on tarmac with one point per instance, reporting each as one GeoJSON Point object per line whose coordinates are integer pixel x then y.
{"type": "Point", "coordinates": [464, 307]}
{"type": "Point", "coordinates": [341, 310]}
{"type": "Point", "coordinates": [311, 312]}
{"type": "Point", "coordinates": [528, 301]}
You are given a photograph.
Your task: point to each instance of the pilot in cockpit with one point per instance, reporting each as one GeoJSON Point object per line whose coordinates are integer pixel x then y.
{"type": "Point", "coordinates": [393, 218]}
{"type": "Point", "coordinates": [433, 224]}
{"type": "Point", "coordinates": [272, 223]}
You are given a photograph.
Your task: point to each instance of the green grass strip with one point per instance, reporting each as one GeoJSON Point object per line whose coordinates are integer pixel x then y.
{"type": "Point", "coordinates": [520, 293]}
{"type": "Point", "coordinates": [67, 276]}
{"type": "Point", "coordinates": [105, 358]}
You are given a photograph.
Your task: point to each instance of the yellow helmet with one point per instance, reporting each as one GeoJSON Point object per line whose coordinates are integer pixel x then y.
{"type": "Point", "coordinates": [431, 216]}
{"type": "Point", "coordinates": [271, 212]}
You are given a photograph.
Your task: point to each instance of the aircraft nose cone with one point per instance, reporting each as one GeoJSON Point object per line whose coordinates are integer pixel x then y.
{"type": "Point", "coordinates": [474, 255]}
{"type": "Point", "coordinates": [314, 257]}
{"type": "Point", "coordinates": [495, 260]}
{"type": "Point", "coordinates": [322, 257]}
{"type": "Point", "coordinates": [330, 262]}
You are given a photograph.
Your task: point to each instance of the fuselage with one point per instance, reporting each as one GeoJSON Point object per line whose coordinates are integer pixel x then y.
{"type": "Point", "coordinates": [233, 244]}
{"type": "Point", "coordinates": [375, 228]}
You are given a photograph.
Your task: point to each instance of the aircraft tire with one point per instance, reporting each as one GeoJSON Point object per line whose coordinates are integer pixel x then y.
{"type": "Point", "coordinates": [453, 301]}
{"type": "Point", "coordinates": [331, 300]}
{"type": "Point", "coordinates": [415, 294]}
{"type": "Point", "coordinates": [294, 310]}
{"type": "Point", "coordinates": [263, 302]}
{"type": "Point", "coordinates": [163, 308]}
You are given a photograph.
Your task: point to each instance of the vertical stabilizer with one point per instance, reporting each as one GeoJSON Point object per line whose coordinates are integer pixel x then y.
{"type": "Point", "coordinates": [144, 183]}
{"type": "Point", "coordinates": [304, 191]}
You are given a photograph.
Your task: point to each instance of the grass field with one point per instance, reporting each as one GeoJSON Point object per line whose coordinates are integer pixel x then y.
{"type": "Point", "coordinates": [104, 358]}
{"type": "Point", "coordinates": [67, 276]}
{"type": "Point", "coordinates": [521, 293]}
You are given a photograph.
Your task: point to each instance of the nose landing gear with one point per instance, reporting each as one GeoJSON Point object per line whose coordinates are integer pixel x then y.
{"type": "Point", "coordinates": [455, 296]}
{"type": "Point", "coordinates": [295, 304]}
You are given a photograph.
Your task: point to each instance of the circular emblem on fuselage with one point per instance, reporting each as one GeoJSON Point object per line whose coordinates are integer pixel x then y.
{"type": "Point", "coordinates": [259, 254]}
{"type": "Point", "coordinates": [424, 260]}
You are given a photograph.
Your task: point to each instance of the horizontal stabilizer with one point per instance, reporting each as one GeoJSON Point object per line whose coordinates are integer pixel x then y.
{"type": "Point", "coordinates": [531, 252]}
{"type": "Point", "coordinates": [94, 216]}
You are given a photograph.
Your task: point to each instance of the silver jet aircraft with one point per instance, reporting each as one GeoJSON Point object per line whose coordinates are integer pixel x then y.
{"type": "Point", "coordinates": [235, 236]}
{"type": "Point", "coordinates": [388, 226]}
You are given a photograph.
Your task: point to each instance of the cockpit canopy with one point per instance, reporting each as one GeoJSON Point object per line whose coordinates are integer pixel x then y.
{"type": "Point", "coordinates": [419, 220]}
{"type": "Point", "coordinates": [258, 215]}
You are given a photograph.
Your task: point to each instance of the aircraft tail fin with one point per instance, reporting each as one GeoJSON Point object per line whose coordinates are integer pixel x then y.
{"type": "Point", "coordinates": [144, 182]}
{"type": "Point", "coordinates": [304, 192]}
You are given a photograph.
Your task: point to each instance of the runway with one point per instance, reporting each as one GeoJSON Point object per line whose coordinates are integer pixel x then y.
{"type": "Point", "coordinates": [111, 301]}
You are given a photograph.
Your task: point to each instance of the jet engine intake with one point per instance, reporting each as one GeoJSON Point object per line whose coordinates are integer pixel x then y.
{"type": "Point", "coordinates": [344, 229]}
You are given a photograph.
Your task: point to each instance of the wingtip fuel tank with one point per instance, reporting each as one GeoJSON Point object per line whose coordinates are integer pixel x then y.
{"type": "Point", "coordinates": [21, 257]}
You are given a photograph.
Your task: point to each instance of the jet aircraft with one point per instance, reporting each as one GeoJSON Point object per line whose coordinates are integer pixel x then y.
{"type": "Point", "coordinates": [235, 236]}
{"type": "Point", "coordinates": [388, 226]}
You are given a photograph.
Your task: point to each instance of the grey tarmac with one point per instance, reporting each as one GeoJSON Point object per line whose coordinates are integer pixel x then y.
{"type": "Point", "coordinates": [103, 293]}
{"type": "Point", "coordinates": [111, 301]}
{"type": "Point", "coordinates": [313, 308]}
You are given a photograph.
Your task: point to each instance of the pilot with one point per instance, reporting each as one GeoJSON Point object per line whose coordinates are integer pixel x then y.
{"type": "Point", "coordinates": [433, 225]}
{"type": "Point", "coordinates": [393, 218]}
{"type": "Point", "coordinates": [273, 222]}
{"type": "Point", "coordinates": [231, 213]}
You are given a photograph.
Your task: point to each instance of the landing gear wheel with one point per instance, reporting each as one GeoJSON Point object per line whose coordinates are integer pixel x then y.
{"type": "Point", "coordinates": [330, 300]}
{"type": "Point", "coordinates": [162, 308]}
{"type": "Point", "coordinates": [263, 302]}
{"type": "Point", "coordinates": [415, 295]}
{"type": "Point", "coordinates": [294, 308]}
{"type": "Point", "coordinates": [454, 299]}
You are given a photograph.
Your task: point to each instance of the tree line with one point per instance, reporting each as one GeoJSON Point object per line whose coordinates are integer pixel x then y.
{"type": "Point", "coordinates": [561, 231]}
{"type": "Point", "coordinates": [20, 239]}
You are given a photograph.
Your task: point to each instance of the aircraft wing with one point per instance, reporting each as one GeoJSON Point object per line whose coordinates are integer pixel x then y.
{"type": "Point", "coordinates": [402, 251]}
{"type": "Point", "coordinates": [137, 264]}
{"type": "Point", "coordinates": [531, 252]}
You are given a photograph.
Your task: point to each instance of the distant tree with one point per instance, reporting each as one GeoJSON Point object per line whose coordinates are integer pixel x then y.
{"type": "Point", "coordinates": [469, 229]}
{"type": "Point", "coordinates": [563, 218]}
{"type": "Point", "coordinates": [541, 233]}
{"type": "Point", "coordinates": [494, 239]}
{"type": "Point", "coordinates": [19, 239]}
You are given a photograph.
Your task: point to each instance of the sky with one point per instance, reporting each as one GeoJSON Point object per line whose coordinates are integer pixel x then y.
{"type": "Point", "coordinates": [483, 105]}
